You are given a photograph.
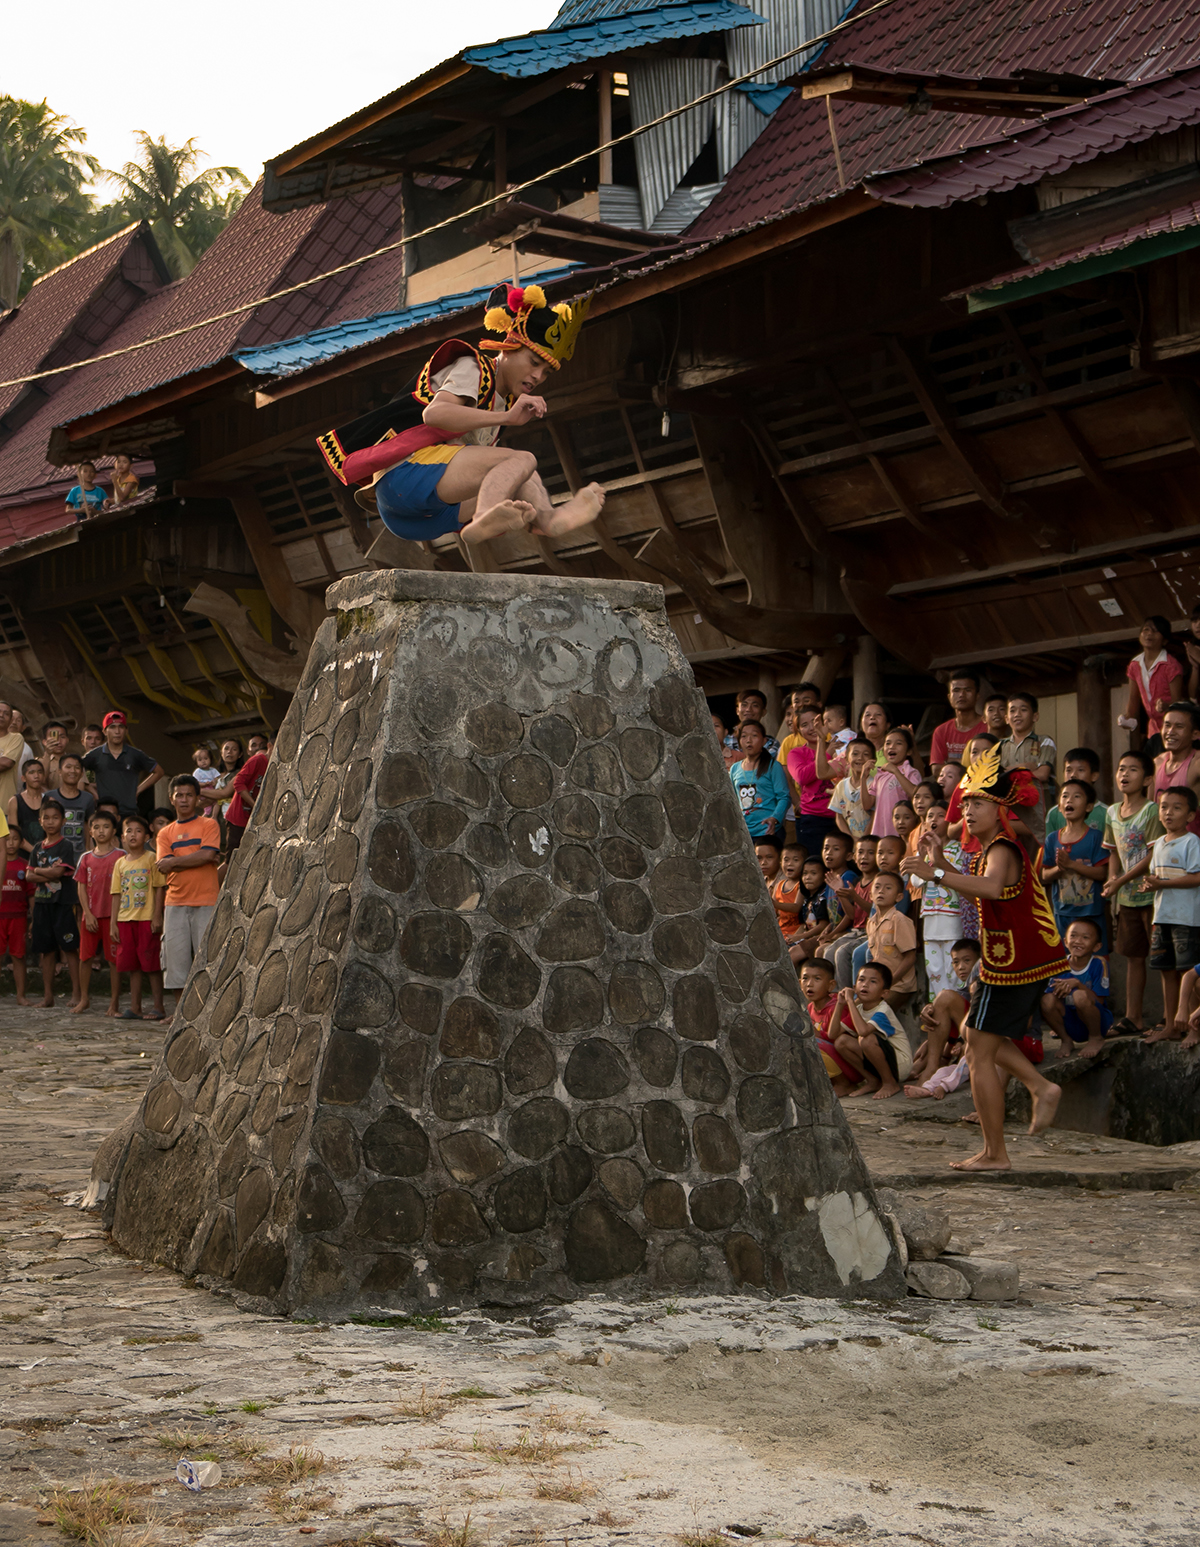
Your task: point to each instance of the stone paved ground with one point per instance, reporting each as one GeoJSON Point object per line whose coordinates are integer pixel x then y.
{"type": "Point", "coordinates": [1069, 1417]}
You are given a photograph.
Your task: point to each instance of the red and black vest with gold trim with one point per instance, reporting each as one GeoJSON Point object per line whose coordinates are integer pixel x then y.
{"type": "Point", "coordinates": [400, 420]}
{"type": "Point", "coordinates": [1018, 937]}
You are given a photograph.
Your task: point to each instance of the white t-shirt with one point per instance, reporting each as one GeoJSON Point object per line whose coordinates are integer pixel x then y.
{"type": "Point", "coordinates": [205, 776]}
{"type": "Point", "coordinates": [462, 378]}
{"type": "Point", "coordinates": [886, 1023]}
{"type": "Point", "coordinates": [1176, 857]}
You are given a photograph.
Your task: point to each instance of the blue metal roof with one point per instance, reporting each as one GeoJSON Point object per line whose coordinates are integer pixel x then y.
{"type": "Point", "coordinates": [309, 349]}
{"type": "Point", "coordinates": [540, 52]}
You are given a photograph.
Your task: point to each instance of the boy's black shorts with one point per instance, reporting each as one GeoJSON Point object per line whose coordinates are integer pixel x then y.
{"type": "Point", "coordinates": [53, 929]}
{"type": "Point", "coordinates": [1003, 1011]}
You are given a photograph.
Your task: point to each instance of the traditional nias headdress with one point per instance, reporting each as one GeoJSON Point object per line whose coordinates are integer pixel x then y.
{"type": "Point", "coordinates": [1010, 788]}
{"type": "Point", "coordinates": [528, 321]}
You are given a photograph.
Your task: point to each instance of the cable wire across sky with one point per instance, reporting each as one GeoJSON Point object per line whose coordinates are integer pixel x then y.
{"type": "Point", "coordinates": [475, 209]}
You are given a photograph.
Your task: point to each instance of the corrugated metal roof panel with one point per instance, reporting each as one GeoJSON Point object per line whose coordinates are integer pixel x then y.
{"type": "Point", "coordinates": [538, 53]}
{"type": "Point", "coordinates": [1062, 139]}
{"type": "Point", "coordinates": [308, 349]}
{"type": "Point", "coordinates": [791, 163]}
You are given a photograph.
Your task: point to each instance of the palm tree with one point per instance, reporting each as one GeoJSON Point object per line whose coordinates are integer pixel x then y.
{"type": "Point", "coordinates": [185, 206]}
{"type": "Point", "coordinates": [43, 169]}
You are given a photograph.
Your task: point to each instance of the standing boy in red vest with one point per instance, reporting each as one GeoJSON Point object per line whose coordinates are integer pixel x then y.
{"type": "Point", "coordinates": [1020, 944]}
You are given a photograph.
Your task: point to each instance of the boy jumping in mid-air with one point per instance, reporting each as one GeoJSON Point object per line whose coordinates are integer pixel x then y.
{"type": "Point", "coordinates": [431, 454]}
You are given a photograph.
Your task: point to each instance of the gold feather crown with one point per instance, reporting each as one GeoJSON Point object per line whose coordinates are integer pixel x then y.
{"type": "Point", "coordinates": [1006, 786]}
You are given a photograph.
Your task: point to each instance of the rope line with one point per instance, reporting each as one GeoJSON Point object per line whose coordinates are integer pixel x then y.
{"type": "Point", "coordinates": [475, 209]}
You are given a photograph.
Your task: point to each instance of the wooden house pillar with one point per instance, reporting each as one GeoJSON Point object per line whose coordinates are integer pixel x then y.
{"type": "Point", "coordinates": [1095, 720]}
{"type": "Point", "coordinates": [868, 679]}
{"type": "Point", "coordinates": [604, 86]}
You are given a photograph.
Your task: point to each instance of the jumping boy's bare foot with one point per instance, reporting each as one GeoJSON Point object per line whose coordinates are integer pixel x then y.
{"type": "Point", "coordinates": [580, 510]}
{"type": "Point", "coordinates": [981, 1162]}
{"type": "Point", "coordinates": [507, 516]}
{"type": "Point", "coordinates": [1045, 1106]}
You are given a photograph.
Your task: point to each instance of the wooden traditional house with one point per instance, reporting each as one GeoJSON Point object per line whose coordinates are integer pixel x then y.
{"type": "Point", "coordinates": [913, 386]}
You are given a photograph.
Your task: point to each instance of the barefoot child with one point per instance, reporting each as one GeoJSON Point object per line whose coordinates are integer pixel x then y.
{"type": "Point", "coordinates": [855, 903]}
{"type": "Point", "coordinates": [1172, 870]}
{"type": "Point", "coordinates": [187, 851]}
{"type": "Point", "coordinates": [880, 1043]}
{"type": "Point", "coordinates": [1076, 1004]}
{"type": "Point", "coordinates": [93, 880]}
{"type": "Point", "coordinates": [432, 451]}
{"type": "Point", "coordinates": [1131, 827]}
{"type": "Point", "coordinates": [1019, 943]}
{"type": "Point", "coordinates": [14, 909]}
{"type": "Point", "coordinates": [136, 922]}
{"type": "Point", "coordinates": [1074, 864]}
{"type": "Point", "coordinates": [54, 930]}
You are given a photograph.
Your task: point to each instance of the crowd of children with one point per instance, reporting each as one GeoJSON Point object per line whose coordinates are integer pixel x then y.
{"type": "Point", "coordinates": [88, 875]}
{"type": "Point", "coordinates": [874, 950]}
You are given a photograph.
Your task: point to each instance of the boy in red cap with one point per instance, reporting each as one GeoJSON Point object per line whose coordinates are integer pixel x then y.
{"type": "Point", "coordinates": [121, 772]}
{"type": "Point", "coordinates": [431, 454]}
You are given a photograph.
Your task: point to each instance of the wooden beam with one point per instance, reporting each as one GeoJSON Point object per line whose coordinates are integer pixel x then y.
{"type": "Point", "coordinates": [966, 451]}
{"type": "Point", "coordinates": [340, 133]}
{"type": "Point", "coordinates": [1085, 458]}
{"type": "Point", "coordinates": [770, 627]}
{"type": "Point", "coordinates": [967, 551]}
{"type": "Point", "coordinates": [179, 391]}
{"type": "Point", "coordinates": [302, 613]}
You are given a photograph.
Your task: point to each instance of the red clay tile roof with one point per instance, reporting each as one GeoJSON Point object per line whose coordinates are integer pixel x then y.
{"type": "Point", "coordinates": [791, 163]}
{"type": "Point", "coordinates": [1061, 139]}
{"type": "Point", "coordinates": [257, 253]}
{"type": "Point", "coordinates": [69, 312]}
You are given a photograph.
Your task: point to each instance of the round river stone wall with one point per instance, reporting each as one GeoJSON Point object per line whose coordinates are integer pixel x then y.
{"type": "Point", "coordinates": [494, 1006]}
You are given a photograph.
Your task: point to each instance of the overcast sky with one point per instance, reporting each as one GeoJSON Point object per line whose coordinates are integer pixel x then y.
{"type": "Point", "coordinates": [246, 79]}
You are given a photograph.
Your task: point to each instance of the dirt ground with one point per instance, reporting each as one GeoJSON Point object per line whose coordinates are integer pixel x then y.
{"type": "Point", "coordinates": [1069, 1416]}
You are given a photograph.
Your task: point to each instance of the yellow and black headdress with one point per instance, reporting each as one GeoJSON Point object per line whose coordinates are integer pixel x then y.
{"type": "Point", "coordinates": [1009, 787]}
{"type": "Point", "coordinates": [528, 321]}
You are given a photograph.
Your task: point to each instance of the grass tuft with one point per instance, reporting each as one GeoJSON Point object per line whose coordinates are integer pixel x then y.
{"type": "Point", "coordinates": [294, 1504]}
{"type": "Point", "coordinates": [568, 1492]}
{"type": "Point", "coordinates": [456, 1536]}
{"type": "Point", "coordinates": [98, 1514]}
{"type": "Point", "coordinates": [300, 1465]}
{"type": "Point", "coordinates": [530, 1448]}
{"type": "Point", "coordinates": [184, 1441]}
{"type": "Point", "coordinates": [252, 1407]}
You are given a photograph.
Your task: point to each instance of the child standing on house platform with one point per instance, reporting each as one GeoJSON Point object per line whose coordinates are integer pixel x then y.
{"type": "Point", "coordinates": [1131, 826]}
{"type": "Point", "coordinates": [1074, 864]}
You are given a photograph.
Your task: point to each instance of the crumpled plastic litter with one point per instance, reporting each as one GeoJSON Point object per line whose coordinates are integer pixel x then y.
{"type": "Point", "coordinates": [197, 1474]}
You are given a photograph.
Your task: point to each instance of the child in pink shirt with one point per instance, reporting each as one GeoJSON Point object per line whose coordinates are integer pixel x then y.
{"type": "Point", "coordinates": [93, 877]}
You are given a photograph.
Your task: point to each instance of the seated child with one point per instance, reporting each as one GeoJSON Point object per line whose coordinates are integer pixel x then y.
{"type": "Point", "coordinates": [942, 1021]}
{"type": "Point", "coordinates": [892, 938]}
{"type": "Point", "coordinates": [1077, 1004]}
{"type": "Point", "coordinates": [766, 852]}
{"type": "Point", "coordinates": [784, 887]}
{"type": "Point", "coordinates": [814, 911]}
{"type": "Point", "coordinates": [940, 1084]}
{"type": "Point", "coordinates": [854, 900]}
{"type": "Point", "coordinates": [1187, 1020]}
{"type": "Point", "coordinates": [878, 1048]}
{"type": "Point", "coordinates": [830, 1018]}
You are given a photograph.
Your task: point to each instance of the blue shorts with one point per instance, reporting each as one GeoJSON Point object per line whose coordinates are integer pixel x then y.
{"type": "Point", "coordinates": [1075, 1028]}
{"type": "Point", "coordinates": [409, 505]}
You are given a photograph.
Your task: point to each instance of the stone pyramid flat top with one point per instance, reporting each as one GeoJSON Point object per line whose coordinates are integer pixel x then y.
{"type": "Point", "coordinates": [421, 585]}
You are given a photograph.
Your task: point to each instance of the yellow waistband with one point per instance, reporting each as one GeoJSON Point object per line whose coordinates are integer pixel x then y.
{"type": "Point", "coordinates": [442, 453]}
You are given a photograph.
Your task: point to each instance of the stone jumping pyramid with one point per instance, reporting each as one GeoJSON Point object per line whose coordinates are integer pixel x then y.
{"type": "Point", "coordinates": [494, 1007]}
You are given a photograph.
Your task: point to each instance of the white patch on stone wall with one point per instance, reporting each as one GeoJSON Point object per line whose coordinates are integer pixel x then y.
{"type": "Point", "coordinates": [540, 842]}
{"type": "Point", "coordinates": [853, 1236]}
